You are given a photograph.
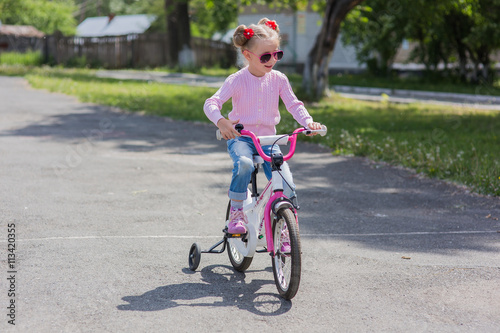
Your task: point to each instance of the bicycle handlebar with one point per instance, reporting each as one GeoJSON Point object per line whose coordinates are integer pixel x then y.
{"type": "Point", "coordinates": [276, 139]}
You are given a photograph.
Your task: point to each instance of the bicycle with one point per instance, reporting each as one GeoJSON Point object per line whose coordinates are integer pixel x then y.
{"type": "Point", "coordinates": [272, 219]}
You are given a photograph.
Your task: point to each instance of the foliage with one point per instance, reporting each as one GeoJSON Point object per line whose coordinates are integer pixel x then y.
{"type": "Point", "coordinates": [445, 32]}
{"type": "Point", "coordinates": [130, 7]}
{"type": "Point", "coordinates": [45, 15]}
{"type": "Point", "coordinates": [95, 8]}
{"type": "Point", "coordinates": [316, 67]}
{"type": "Point", "coordinates": [213, 16]}
{"type": "Point", "coordinates": [372, 29]}
{"type": "Point", "coordinates": [207, 16]}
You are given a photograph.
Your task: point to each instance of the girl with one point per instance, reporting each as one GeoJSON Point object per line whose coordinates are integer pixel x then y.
{"type": "Point", "coordinates": [255, 91]}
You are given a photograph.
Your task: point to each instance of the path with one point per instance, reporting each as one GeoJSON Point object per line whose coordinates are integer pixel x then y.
{"type": "Point", "coordinates": [104, 206]}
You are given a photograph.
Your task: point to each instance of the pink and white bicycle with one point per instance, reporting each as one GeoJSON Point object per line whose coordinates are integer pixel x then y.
{"type": "Point", "coordinates": [272, 220]}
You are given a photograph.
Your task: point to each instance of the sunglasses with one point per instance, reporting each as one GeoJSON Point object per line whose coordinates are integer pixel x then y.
{"type": "Point", "coordinates": [264, 58]}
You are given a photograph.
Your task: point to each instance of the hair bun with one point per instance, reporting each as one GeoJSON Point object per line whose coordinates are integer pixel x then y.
{"type": "Point", "coordinates": [270, 23]}
{"type": "Point", "coordinates": [244, 37]}
{"type": "Point", "coordinates": [239, 39]}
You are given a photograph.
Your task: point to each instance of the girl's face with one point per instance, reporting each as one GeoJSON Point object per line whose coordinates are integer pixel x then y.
{"type": "Point", "coordinates": [255, 67]}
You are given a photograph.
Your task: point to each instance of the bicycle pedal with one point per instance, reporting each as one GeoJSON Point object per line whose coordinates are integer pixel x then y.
{"type": "Point", "coordinates": [228, 235]}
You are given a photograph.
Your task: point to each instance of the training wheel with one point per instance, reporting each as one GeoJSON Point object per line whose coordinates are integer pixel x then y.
{"type": "Point", "coordinates": [194, 256]}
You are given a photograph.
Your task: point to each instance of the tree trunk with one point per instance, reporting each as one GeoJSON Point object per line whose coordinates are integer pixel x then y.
{"type": "Point", "coordinates": [315, 77]}
{"type": "Point", "coordinates": [462, 64]}
{"type": "Point", "coordinates": [178, 33]}
{"type": "Point", "coordinates": [484, 58]}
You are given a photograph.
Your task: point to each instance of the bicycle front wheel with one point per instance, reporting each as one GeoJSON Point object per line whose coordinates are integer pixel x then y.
{"type": "Point", "coordinates": [239, 262]}
{"type": "Point", "coordinates": [287, 250]}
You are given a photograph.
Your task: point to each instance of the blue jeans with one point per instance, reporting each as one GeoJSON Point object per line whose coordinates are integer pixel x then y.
{"type": "Point", "coordinates": [241, 150]}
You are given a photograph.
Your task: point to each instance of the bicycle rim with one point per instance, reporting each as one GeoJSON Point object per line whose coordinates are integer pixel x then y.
{"type": "Point", "coordinates": [286, 265]}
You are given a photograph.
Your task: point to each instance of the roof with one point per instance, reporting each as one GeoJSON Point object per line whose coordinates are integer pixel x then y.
{"type": "Point", "coordinates": [20, 31]}
{"type": "Point", "coordinates": [114, 26]}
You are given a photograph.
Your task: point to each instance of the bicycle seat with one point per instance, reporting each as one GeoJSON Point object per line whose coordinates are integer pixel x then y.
{"type": "Point", "coordinates": [257, 159]}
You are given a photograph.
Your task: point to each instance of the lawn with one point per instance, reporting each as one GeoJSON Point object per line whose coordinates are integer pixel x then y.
{"type": "Point", "coordinates": [452, 143]}
{"type": "Point", "coordinates": [438, 84]}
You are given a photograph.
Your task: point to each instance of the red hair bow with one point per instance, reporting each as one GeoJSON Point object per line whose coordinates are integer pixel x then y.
{"type": "Point", "coordinates": [271, 24]}
{"type": "Point", "coordinates": [248, 33]}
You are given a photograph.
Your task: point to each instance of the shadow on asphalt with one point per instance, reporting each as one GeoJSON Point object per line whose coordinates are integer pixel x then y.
{"type": "Point", "coordinates": [392, 209]}
{"type": "Point", "coordinates": [130, 131]}
{"type": "Point", "coordinates": [376, 205]}
{"type": "Point", "coordinates": [221, 286]}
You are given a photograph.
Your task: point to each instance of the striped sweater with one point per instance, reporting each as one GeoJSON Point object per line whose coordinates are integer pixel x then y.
{"type": "Point", "coordinates": [256, 100]}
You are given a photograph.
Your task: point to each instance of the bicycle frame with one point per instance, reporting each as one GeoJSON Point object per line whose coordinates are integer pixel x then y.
{"type": "Point", "coordinates": [259, 210]}
{"type": "Point", "coordinates": [253, 206]}
{"type": "Point", "coordinates": [254, 209]}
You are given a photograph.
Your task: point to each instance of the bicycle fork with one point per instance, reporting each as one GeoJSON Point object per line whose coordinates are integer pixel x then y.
{"type": "Point", "coordinates": [277, 201]}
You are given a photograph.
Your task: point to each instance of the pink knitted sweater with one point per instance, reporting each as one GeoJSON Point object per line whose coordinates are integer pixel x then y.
{"type": "Point", "coordinates": [256, 100]}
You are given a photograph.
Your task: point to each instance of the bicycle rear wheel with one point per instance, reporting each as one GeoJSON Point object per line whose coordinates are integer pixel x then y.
{"type": "Point", "coordinates": [239, 262]}
{"type": "Point", "coordinates": [286, 265]}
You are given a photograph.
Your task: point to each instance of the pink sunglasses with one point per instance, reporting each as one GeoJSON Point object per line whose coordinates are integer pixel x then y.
{"type": "Point", "coordinates": [267, 56]}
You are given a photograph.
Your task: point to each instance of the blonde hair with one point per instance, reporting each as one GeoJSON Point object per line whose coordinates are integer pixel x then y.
{"type": "Point", "coordinates": [261, 31]}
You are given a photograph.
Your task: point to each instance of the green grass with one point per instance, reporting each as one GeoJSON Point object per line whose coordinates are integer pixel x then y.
{"type": "Point", "coordinates": [456, 144]}
{"type": "Point", "coordinates": [30, 58]}
{"type": "Point", "coordinates": [212, 71]}
{"type": "Point", "coordinates": [415, 83]}
{"type": "Point", "coordinates": [175, 101]}
{"type": "Point", "coordinates": [461, 145]}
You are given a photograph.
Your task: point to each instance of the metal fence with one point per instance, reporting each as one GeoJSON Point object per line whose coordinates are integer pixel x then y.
{"type": "Point", "coordinates": [132, 51]}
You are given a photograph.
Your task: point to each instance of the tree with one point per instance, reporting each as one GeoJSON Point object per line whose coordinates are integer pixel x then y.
{"type": "Point", "coordinates": [93, 8]}
{"type": "Point", "coordinates": [484, 37]}
{"type": "Point", "coordinates": [178, 33]}
{"type": "Point", "coordinates": [211, 16]}
{"type": "Point", "coordinates": [315, 77]}
{"type": "Point", "coordinates": [456, 32]}
{"type": "Point", "coordinates": [45, 15]}
{"type": "Point", "coordinates": [373, 29]}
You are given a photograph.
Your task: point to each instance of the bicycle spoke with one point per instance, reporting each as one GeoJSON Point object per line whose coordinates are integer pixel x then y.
{"type": "Point", "coordinates": [286, 262]}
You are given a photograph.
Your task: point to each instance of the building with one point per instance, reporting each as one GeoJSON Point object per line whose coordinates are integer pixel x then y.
{"type": "Point", "coordinates": [19, 38]}
{"type": "Point", "coordinates": [298, 31]}
{"type": "Point", "coordinates": [114, 25]}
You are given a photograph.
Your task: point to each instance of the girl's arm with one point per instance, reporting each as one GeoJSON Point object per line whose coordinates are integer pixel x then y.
{"type": "Point", "coordinates": [296, 107]}
{"type": "Point", "coordinates": [227, 130]}
{"type": "Point", "coordinates": [213, 106]}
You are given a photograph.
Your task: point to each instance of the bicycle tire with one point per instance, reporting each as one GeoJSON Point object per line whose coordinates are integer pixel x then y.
{"type": "Point", "coordinates": [194, 256]}
{"type": "Point", "coordinates": [286, 266]}
{"type": "Point", "coordinates": [238, 261]}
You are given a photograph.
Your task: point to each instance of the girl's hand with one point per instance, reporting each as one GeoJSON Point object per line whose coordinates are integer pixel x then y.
{"type": "Point", "coordinates": [314, 126]}
{"type": "Point", "coordinates": [227, 128]}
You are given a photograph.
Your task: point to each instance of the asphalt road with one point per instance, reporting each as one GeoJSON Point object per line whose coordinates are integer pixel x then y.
{"type": "Point", "coordinates": [103, 205]}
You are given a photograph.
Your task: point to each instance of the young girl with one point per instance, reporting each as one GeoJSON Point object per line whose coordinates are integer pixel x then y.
{"type": "Point", "coordinates": [255, 91]}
